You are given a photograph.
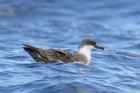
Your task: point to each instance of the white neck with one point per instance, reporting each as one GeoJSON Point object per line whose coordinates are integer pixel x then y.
{"type": "Point", "coordinates": [86, 50]}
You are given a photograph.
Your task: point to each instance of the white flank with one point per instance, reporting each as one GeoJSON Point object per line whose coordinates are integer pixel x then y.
{"type": "Point", "coordinates": [59, 61]}
{"type": "Point", "coordinates": [86, 50]}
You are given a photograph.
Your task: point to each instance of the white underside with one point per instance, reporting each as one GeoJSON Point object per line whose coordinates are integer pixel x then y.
{"type": "Point", "coordinates": [86, 50]}
{"type": "Point", "coordinates": [59, 61]}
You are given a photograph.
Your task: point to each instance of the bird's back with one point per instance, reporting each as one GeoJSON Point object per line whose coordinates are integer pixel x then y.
{"type": "Point", "coordinates": [50, 55]}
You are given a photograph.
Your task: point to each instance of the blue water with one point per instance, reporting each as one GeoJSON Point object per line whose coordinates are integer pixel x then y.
{"type": "Point", "coordinates": [62, 24]}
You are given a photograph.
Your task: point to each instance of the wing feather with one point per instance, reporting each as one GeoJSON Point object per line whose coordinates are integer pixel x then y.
{"type": "Point", "coordinates": [50, 55]}
{"type": "Point", "coordinates": [61, 55]}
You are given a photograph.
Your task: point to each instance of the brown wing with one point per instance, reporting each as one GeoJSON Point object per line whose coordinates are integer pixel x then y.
{"type": "Point", "coordinates": [36, 53]}
{"type": "Point", "coordinates": [58, 55]}
{"type": "Point", "coordinates": [47, 56]}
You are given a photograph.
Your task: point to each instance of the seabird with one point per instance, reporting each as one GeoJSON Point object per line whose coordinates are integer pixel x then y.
{"type": "Point", "coordinates": [55, 55]}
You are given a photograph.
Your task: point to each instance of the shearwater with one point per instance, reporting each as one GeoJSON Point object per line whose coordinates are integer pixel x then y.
{"type": "Point", "coordinates": [55, 55]}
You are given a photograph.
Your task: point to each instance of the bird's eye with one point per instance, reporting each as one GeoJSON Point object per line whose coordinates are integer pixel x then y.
{"type": "Point", "coordinates": [90, 43]}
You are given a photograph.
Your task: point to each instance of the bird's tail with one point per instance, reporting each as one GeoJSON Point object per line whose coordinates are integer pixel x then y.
{"type": "Point", "coordinates": [33, 51]}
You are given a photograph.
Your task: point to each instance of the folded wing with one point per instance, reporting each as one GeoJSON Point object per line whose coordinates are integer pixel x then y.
{"type": "Point", "coordinates": [50, 55]}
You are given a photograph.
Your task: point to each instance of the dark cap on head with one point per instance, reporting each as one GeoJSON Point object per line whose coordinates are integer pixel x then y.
{"type": "Point", "coordinates": [89, 42]}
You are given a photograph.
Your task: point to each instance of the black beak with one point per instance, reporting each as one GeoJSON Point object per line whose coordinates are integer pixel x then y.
{"type": "Point", "coordinates": [98, 47]}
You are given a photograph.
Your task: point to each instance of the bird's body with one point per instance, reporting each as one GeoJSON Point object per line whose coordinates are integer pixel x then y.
{"type": "Point", "coordinates": [55, 55]}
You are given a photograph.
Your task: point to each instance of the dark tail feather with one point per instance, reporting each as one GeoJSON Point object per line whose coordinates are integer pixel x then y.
{"type": "Point", "coordinates": [30, 48]}
{"type": "Point", "coordinates": [33, 51]}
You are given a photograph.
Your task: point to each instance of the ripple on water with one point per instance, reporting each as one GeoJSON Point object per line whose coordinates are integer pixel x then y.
{"type": "Point", "coordinates": [63, 24]}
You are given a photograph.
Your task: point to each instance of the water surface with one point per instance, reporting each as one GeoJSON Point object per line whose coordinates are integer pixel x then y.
{"type": "Point", "coordinates": [62, 24]}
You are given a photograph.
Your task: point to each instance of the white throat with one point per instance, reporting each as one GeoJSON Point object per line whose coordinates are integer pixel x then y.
{"type": "Point", "coordinates": [86, 50]}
